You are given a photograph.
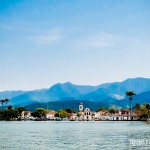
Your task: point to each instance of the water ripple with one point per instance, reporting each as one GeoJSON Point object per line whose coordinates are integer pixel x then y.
{"type": "Point", "coordinates": [71, 135]}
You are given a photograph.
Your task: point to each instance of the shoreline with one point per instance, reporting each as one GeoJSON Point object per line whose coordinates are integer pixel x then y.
{"type": "Point", "coordinates": [73, 121]}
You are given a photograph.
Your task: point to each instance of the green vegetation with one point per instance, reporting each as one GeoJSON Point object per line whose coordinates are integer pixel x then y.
{"type": "Point", "coordinates": [2, 101]}
{"type": "Point", "coordinates": [68, 110]}
{"type": "Point", "coordinates": [63, 113]}
{"type": "Point", "coordinates": [143, 111]}
{"type": "Point", "coordinates": [147, 106]}
{"type": "Point", "coordinates": [102, 108]}
{"type": "Point", "coordinates": [20, 110]}
{"type": "Point", "coordinates": [112, 111]}
{"type": "Point", "coordinates": [11, 113]}
{"type": "Point", "coordinates": [137, 107]}
{"type": "Point", "coordinates": [39, 113]}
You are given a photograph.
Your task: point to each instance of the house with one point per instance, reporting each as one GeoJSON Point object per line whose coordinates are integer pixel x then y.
{"type": "Point", "coordinates": [74, 117]}
{"type": "Point", "coordinates": [102, 115]}
{"type": "Point", "coordinates": [124, 115]}
{"type": "Point", "coordinates": [26, 115]}
{"type": "Point", "coordinates": [50, 115]}
{"type": "Point", "coordinates": [116, 117]}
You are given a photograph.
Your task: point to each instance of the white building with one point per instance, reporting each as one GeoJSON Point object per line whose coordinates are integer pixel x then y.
{"type": "Point", "coordinates": [85, 114]}
{"type": "Point", "coordinates": [26, 115]}
{"type": "Point", "coordinates": [102, 115]}
{"type": "Point", "coordinates": [74, 117]}
{"type": "Point", "coordinates": [124, 115]}
{"type": "Point", "coordinates": [50, 115]}
{"type": "Point", "coordinates": [116, 117]}
{"type": "Point", "coordinates": [80, 107]}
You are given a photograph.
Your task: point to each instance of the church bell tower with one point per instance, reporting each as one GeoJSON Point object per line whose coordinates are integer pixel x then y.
{"type": "Point", "coordinates": [80, 107]}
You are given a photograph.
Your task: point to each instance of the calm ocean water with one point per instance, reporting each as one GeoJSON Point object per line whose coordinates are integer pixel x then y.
{"type": "Point", "coordinates": [32, 135]}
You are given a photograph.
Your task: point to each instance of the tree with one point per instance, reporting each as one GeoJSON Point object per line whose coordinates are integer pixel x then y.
{"type": "Point", "coordinates": [6, 101]}
{"type": "Point", "coordinates": [137, 107]}
{"type": "Point", "coordinates": [130, 94]}
{"type": "Point", "coordinates": [20, 110]}
{"type": "Point", "coordinates": [68, 110]}
{"type": "Point", "coordinates": [79, 114]}
{"type": "Point", "coordinates": [40, 113]}
{"type": "Point", "coordinates": [10, 113]}
{"type": "Point", "coordinates": [9, 107]}
{"type": "Point", "coordinates": [111, 111]}
{"type": "Point", "coordinates": [2, 103]}
{"type": "Point", "coordinates": [1, 114]}
{"type": "Point", "coordinates": [147, 106]}
{"type": "Point", "coordinates": [99, 109]}
{"type": "Point", "coordinates": [62, 114]}
{"type": "Point", "coordinates": [143, 116]}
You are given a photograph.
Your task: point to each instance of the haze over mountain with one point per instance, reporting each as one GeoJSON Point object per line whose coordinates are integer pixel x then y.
{"type": "Point", "coordinates": [55, 93]}
{"type": "Point", "coordinates": [11, 94]}
{"type": "Point", "coordinates": [111, 93]}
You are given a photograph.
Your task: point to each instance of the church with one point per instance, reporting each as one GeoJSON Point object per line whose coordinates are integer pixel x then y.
{"type": "Point", "coordinates": [85, 114]}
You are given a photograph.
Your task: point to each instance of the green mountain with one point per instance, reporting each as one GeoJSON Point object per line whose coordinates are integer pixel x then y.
{"type": "Point", "coordinates": [54, 93]}
{"type": "Point", "coordinates": [73, 104]}
{"type": "Point", "coordinates": [108, 92]}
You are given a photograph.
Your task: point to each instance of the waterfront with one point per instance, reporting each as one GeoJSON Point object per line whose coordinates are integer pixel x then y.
{"type": "Point", "coordinates": [45, 135]}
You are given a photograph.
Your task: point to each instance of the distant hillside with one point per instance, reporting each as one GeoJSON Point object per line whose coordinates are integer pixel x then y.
{"type": "Point", "coordinates": [65, 104]}
{"type": "Point", "coordinates": [138, 85]}
{"type": "Point", "coordinates": [54, 93]}
{"type": "Point", "coordinates": [10, 94]}
{"type": "Point", "coordinates": [98, 95]}
{"type": "Point", "coordinates": [139, 98]}
{"type": "Point", "coordinates": [93, 105]}
{"type": "Point", "coordinates": [112, 92]}
{"type": "Point", "coordinates": [29, 97]}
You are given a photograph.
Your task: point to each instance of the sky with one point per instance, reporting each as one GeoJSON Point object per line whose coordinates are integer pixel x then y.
{"type": "Point", "coordinates": [86, 42]}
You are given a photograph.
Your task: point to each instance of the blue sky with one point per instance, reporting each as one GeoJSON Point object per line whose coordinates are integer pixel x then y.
{"type": "Point", "coordinates": [43, 42]}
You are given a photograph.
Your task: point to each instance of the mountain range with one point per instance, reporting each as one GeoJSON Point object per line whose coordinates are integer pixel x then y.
{"type": "Point", "coordinates": [107, 94]}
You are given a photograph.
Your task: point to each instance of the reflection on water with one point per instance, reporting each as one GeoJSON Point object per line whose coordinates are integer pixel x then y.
{"type": "Point", "coordinates": [34, 135]}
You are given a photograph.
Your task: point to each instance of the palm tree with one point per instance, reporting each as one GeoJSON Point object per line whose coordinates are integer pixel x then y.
{"type": "Point", "coordinates": [2, 102]}
{"type": "Point", "coordinates": [6, 101]}
{"type": "Point", "coordinates": [137, 106]}
{"type": "Point", "coordinates": [130, 94]}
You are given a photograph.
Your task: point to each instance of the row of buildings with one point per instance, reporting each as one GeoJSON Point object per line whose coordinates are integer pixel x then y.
{"type": "Point", "coordinates": [87, 115]}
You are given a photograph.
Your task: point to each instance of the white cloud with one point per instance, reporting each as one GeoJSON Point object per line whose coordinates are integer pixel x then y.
{"type": "Point", "coordinates": [118, 97]}
{"type": "Point", "coordinates": [105, 40]}
{"type": "Point", "coordinates": [48, 37]}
